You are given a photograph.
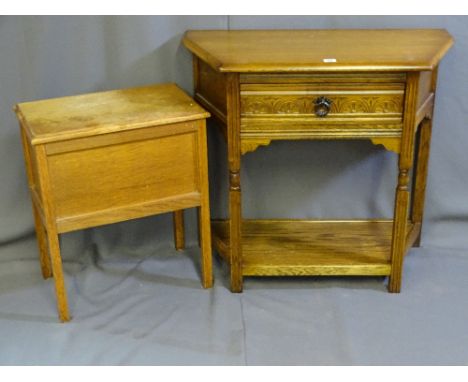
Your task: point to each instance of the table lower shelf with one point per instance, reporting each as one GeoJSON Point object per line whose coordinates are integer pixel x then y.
{"type": "Point", "coordinates": [311, 247]}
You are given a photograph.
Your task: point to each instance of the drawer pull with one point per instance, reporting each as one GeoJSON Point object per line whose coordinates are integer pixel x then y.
{"type": "Point", "coordinates": [322, 106]}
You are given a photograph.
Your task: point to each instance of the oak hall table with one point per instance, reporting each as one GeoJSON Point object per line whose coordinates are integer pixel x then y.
{"type": "Point", "coordinates": [264, 85]}
{"type": "Point", "coordinates": [106, 157]}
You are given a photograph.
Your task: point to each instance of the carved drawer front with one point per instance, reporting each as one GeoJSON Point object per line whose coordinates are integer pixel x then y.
{"type": "Point", "coordinates": [285, 103]}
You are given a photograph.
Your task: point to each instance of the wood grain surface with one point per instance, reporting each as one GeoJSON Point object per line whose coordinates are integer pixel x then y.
{"type": "Point", "coordinates": [92, 114]}
{"type": "Point", "coordinates": [380, 85]}
{"type": "Point", "coordinates": [204, 217]}
{"type": "Point", "coordinates": [402, 194]}
{"type": "Point", "coordinates": [107, 157]}
{"type": "Point", "coordinates": [319, 50]}
{"type": "Point", "coordinates": [234, 162]}
{"type": "Point", "coordinates": [113, 176]}
{"type": "Point", "coordinates": [320, 247]}
{"type": "Point", "coordinates": [179, 229]}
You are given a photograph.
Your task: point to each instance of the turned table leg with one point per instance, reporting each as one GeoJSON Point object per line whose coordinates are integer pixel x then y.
{"type": "Point", "coordinates": [234, 159]}
{"type": "Point", "coordinates": [235, 231]}
{"type": "Point", "coordinates": [399, 230]}
{"type": "Point", "coordinates": [179, 231]}
{"type": "Point", "coordinates": [402, 197]}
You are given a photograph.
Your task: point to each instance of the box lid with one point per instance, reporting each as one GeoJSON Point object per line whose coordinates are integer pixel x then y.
{"type": "Point", "coordinates": [319, 50]}
{"type": "Point", "coordinates": [64, 118]}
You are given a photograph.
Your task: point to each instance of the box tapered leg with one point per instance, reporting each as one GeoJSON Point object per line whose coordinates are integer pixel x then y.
{"type": "Point", "coordinates": [204, 219]}
{"type": "Point", "coordinates": [199, 226]}
{"type": "Point", "coordinates": [60, 291]}
{"type": "Point", "coordinates": [179, 229]}
{"type": "Point", "coordinates": [44, 258]}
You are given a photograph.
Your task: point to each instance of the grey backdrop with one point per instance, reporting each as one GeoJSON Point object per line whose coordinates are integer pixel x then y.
{"type": "Point", "coordinates": [137, 301]}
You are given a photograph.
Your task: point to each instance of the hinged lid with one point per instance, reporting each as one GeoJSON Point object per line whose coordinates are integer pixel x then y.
{"type": "Point", "coordinates": [58, 119]}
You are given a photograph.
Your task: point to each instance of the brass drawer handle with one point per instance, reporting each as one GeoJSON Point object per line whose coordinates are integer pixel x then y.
{"type": "Point", "coordinates": [322, 106]}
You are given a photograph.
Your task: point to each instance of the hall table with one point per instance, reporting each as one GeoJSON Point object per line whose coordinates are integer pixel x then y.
{"type": "Point", "coordinates": [266, 85]}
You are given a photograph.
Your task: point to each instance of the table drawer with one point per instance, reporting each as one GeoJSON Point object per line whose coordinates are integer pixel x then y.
{"type": "Point", "coordinates": [319, 103]}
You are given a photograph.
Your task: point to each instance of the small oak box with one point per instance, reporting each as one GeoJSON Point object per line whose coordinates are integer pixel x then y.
{"type": "Point", "coordinates": [106, 157]}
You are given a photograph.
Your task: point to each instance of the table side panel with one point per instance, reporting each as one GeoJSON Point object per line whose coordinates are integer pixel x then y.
{"type": "Point", "coordinates": [212, 86]}
{"type": "Point", "coordinates": [425, 81]}
{"type": "Point", "coordinates": [210, 92]}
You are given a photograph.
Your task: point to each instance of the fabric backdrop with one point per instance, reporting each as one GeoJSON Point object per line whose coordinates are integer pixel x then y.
{"type": "Point", "coordinates": [51, 56]}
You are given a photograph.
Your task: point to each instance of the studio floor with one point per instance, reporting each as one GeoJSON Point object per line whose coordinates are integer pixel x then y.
{"type": "Point", "coordinates": [145, 306]}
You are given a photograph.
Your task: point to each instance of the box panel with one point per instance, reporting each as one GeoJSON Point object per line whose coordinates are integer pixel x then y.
{"type": "Point", "coordinates": [131, 173]}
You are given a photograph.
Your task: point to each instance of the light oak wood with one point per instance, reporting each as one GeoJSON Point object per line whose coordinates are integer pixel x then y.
{"type": "Point", "coordinates": [208, 85]}
{"type": "Point", "coordinates": [298, 130]}
{"type": "Point", "coordinates": [235, 201]}
{"type": "Point", "coordinates": [322, 78]}
{"type": "Point", "coordinates": [52, 233]}
{"type": "Point", "coordinates": [419, 185]}
{"type": "Point", "coordinates": [379, 101]}
{"type": "Point", "coordinates": [301, 248]}
{"type": "Point", "coordinates": [278, 111]}
{"type": "Point", "coordinates": [108, 157]}
{"type": "Point", "coordinates": [179, 231]}
{"type": "Point", "coordinates": [204, 209]}
{"type": "Point", "coordinates": [211, 83]}
{"type": "Point", "coordinates": [199, 227]}
{"type": "Point", "coordinates": [391, 144]}
{"type": "Point", "coordinates": [426, 109]}
{"type": "Point", "coordinates": [127, 212]}
{"type": "Point", "coordinates": [402, 197]}
{"type": "Point", "coordinates": [39, 220]}
{"type": "Point", "coordinates": [91, 180]}
{"type": "Point", "coordinates": [93, 114]}
{"type": "Point", "coordinates": [248, 145]}
{"type": "Point", "coordinates": [354, 50]}
{"type": "Point", "coordinates": [425, 86]}
{"type": "Point", "coordinates": [412, 236]}
{"type": "Point", "coordinates": [119, 138]}
{"type": "Point", "coordinates": [422, 160]}
{"type": "Point", "coordinates": [379, 85]}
